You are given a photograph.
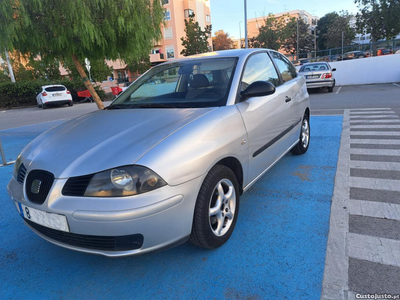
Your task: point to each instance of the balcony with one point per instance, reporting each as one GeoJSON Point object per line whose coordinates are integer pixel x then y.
{"type": "Point", "coordinates": [157, 57]}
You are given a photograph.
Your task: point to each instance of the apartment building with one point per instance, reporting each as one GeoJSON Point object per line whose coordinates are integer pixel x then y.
{"type": "Point", "coordinates": [254, 25]}
{"type": "Point", "coordinates": [176, 11]}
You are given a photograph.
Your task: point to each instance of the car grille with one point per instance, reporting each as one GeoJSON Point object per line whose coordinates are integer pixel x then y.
{"type": "Point", "coordinates": [108, 243]}
{"type": "Point", "coordinates": [21, 174]}
{"type": "Point", "coordinates": [38, 185]}
{"type": "Point", "coordinates": [76, 186]}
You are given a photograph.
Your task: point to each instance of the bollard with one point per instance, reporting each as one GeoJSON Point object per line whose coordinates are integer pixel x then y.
{"type": "Point", "coordinates": [3, 156]}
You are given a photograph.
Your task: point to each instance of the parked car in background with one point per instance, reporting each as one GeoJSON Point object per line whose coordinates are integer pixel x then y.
{"type": "Point", "coordinates": [353, 55]}
{"type": "Point", "coordinates": [165, 162]}
{"type": "Point", "coordinates": [53, 94]}
{"type": "Point", "coordinates": [304, 61]}
{"type": "Point", "coordinates": [383, 51]}
{"type": "Point", "coordinates": [318, 75]}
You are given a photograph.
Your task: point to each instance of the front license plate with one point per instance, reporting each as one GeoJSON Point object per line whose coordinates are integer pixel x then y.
{"type": "Point", "coordinates": [43, 218]}
{"type": "Point", "coordinates": [312, 76]}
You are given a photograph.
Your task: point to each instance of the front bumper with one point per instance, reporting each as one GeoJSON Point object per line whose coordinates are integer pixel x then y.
{"type": "Point", "coordinates": [319, 83]}
{"type": "Point", "coordinates": [161, 218]}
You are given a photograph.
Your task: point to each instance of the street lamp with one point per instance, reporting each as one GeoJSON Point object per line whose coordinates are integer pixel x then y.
{"type": "Point", "coordinates": [240, 35]}
{"type": "Point", "coordinates": [246, 42]}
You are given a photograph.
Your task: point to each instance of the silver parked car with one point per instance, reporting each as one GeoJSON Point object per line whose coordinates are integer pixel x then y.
{"type": "Point", "coordinates": [318, 75]}
{"type": "Point", "coordinates": [165, 162]}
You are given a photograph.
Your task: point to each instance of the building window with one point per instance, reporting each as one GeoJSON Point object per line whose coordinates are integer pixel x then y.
{"type": "Point", "coordinates": [208, 18]}
{"type": "Point", "coordinates": [164, 2]}
{"type": "Point", "coordinates": [167, 15]}
{"type": "Point", "coordinates": [170, 52]}
{"type": "Point", "coordinates": [168, 33]}
{"type": "Point", "coordinates": [188, 13]}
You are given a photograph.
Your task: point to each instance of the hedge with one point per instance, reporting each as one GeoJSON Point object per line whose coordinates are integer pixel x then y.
{"type": "Point", "coordinates": [23, 93]}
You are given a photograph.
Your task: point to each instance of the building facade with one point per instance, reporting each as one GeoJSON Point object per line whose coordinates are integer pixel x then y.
{"type": "Point", "coordinates": [176, 11]}
{"type": "Point", "coordinates": [254, 25]}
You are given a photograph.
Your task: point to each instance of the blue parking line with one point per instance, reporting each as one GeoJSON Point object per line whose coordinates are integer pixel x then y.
{"type": "Point", "coordinates": [277, 250]}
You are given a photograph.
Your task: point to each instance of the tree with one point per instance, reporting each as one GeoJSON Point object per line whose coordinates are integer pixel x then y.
{"type": "Point", "coordinates": [99, 70]}
{"type": "Point", "coordinates": [271, 34]}
{"type": "Point", "coordinates": [380, 18]}
{"type": "Point", "coordinates": [221, 41]}
{"type": "Point", "coordinates": [196, 39]}
{"type": "Point", "coordinates": [96, 29]}
{"type": "Point", "coordinates": [305, 37]}
{"type": "Point", "coordinates": [340, 24]}
{"type": "Point", "coordinates": [140, 65]}
{"type": "Point", "coordinates": [323, 25]}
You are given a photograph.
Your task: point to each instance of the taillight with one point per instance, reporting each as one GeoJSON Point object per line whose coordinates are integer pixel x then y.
{"type": "Point", "coordinates": [44, 94]}
{"type": "Point", "coordinates": [326, 75]}
{"type": "Point", "coordinates": [68, 92]}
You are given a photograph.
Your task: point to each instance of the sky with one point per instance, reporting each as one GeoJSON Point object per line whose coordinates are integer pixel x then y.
{"type": "Point", "coordinates": [226, 14]}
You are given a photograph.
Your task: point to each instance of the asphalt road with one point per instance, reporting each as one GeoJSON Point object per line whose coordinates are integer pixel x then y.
{"type": "Point", "coordinates": [322, 103]}
{"type": "Point", "coordinates": [355, 96]}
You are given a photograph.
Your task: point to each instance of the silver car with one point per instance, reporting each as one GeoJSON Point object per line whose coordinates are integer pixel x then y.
{"type": "Point", "coordinates": [164, 163]}
{"type": "Point", "coordinates": [319, 75]}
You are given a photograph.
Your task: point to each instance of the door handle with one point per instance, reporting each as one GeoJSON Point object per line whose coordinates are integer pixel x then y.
{"type": "Point", "coordinates": [288, 99]}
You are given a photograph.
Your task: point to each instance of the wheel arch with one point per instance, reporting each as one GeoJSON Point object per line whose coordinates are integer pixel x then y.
{"type": "Point", "coordinates": [236, 167]}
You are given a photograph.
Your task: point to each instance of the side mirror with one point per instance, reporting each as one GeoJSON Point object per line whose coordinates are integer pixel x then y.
{"type": "Point", "coordinates": [334, 69]}
{"type": "Point", "coordinates": [258, 89]}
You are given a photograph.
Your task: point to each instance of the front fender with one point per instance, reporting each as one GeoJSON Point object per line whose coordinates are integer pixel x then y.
{"type": "Point", "coordinates": [196, 148]}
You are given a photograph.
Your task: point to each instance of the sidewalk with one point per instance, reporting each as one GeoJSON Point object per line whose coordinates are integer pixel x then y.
{"type": "Point", "coordinates": [363, 254]}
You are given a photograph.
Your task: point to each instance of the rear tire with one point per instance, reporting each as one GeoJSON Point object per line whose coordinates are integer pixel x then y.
{"type": "Point", "coordinates": [216, 209]}
{"type": "Point", "coordinates": [304, 139]}
{"type": "Point", "coordinates": [70, 103]}
{"type": "Point", "coordinates": [330, 89]}
{"type": "Point", "coordinates": [44, 106]}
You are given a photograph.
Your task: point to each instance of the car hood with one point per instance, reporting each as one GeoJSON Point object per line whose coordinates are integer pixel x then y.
{"type": "Point", "coordinates": [104, 139]}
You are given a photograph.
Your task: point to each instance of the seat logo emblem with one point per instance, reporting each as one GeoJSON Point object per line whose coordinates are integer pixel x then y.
{"type": "Point", "coordinates": [35, 187]}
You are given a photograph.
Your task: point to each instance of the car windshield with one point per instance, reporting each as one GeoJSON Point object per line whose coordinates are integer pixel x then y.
{"type": "Point", "coordinates": [55, 89]}
{"type": "Point", "coordinates": [314, 67]}
{"type": "Point", "coordinates": [186, 84]}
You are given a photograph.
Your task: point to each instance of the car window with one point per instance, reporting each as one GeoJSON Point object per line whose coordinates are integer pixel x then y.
{"type": "Point", "coordinates": [191, 83]}
{"type": "Point", "coordinates": [314, 67]}
{"type": "Point", "coordinates": [259, 67]}
{"type": "Point", "coordinates": [287, 70]}
{"type": "Point", "coordinates": [55, 89]}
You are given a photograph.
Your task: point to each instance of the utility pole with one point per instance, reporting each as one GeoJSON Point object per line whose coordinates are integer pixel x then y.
{"type": "Point", "coordinates": [246, 42]}
{"type": "Point", "coordinates": [297, 48]}
{"type": "Point", "coordinates": [240, 35]}
{"type": "Point", "coordinates": [342, 43]}
{"type": "Point", "coordinates": [10, 69]}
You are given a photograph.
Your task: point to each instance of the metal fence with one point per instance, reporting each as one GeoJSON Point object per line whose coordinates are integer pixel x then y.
{"type": "Point", "coordinates": [369, 49]}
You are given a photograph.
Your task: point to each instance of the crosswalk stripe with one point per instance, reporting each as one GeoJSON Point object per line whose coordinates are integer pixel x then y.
{"type": "Point", "coordinates": [376, 133]}
{"type": "Point", "coordinates": [373, 183]}
{"type": "Point", "coordinates": [372, 126]}
{"type": "Point", "coordinates": [374, 165]}
{"type": "Point", "coordinates": [375, 141]}
{"type": "Point", "coordinates": [375, 249]}
{"type": "Point", "coordinates": [378, 122]}
{"type": "Point", "coordinates": [375, 151]}
{"type": "Point", "coordinates": [374, 209]}
{"type": "Point", "coordinates": [372, 112]}
{"type": "Point", "coordinates": [367, 109]}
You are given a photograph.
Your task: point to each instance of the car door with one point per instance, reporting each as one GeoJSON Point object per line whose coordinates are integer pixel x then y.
{"type": "Point", "coordinates": [267, 118]}
{"type": "Point", "coordinates": [294, 89]}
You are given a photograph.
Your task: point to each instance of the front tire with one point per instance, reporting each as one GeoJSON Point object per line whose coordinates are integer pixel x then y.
{"type": "Point", "coordinates": [304, 140]}
{"type": "Point", "coordinates": [216, 209]}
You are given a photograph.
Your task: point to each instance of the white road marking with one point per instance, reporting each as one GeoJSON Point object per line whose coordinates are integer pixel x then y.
{"type": "Point", "coordinates": [373, 183]}
{"type": "Point", "coordinates": [373, 209]}
{"type": "Point", "coordinates": [375, 141]}
{"type": "Point", "coordinates": [375, 249]}
{"type": "Point", "coordinates": [375, 152]}
{"type": "Point", "coordinates": [396, 84]}
{"type": "Point", "coordinates": [374, 165]}
{"type": "Point", "coordinates": [338, 90]}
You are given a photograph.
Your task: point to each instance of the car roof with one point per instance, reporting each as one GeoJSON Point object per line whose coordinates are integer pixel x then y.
{"type": "Point", "coordinates": [218, 54]}
{"type": "Point", "coordinates": [52, 85]}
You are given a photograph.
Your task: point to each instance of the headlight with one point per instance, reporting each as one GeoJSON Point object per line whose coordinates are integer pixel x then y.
{"type": "Point", "coordinates": [123, 181]}
{"type": "Point", "coordinates": [17, 164]}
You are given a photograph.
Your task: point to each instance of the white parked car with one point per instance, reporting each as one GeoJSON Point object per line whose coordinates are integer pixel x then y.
{"type": "Point", "coordinates": [53, 94]}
